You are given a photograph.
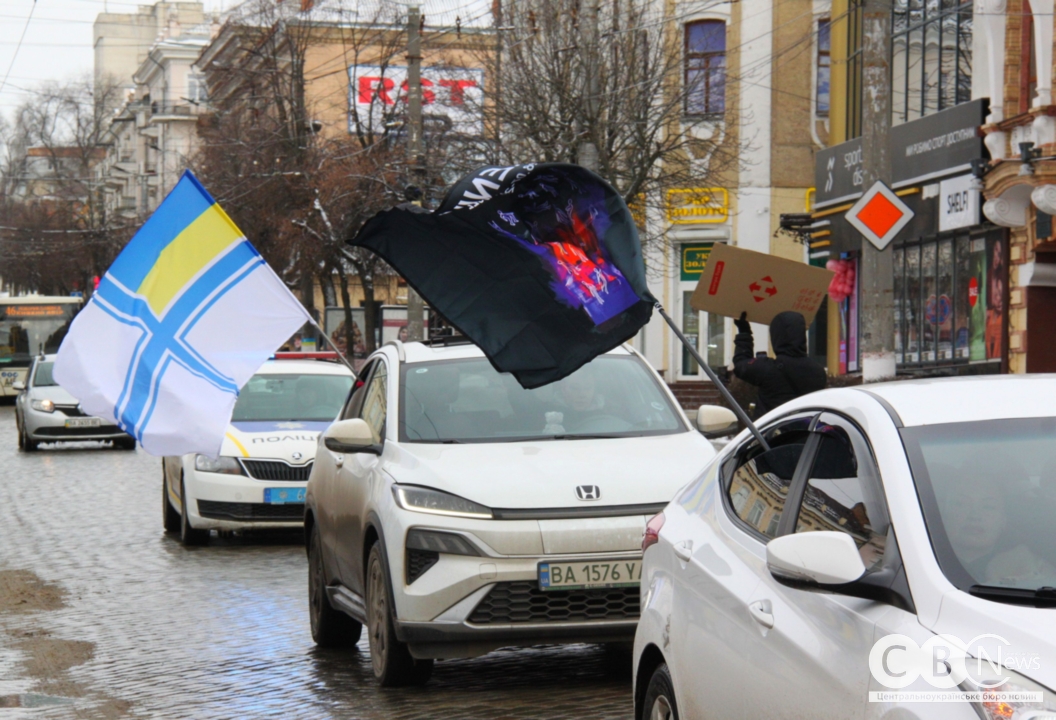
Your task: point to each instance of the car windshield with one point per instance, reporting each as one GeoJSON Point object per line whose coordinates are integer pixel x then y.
{"type": "Point", "coordinates": [988, 491]}
{"type": "Point", "coordinates": [42, 377]}
{"type": "Point", "coordinates": [291, 397]}
{"type": "Point", "coordinates": [469, 401]}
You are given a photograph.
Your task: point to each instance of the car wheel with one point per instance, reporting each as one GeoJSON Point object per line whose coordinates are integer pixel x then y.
{"type": "Point", "coordinates": [28, 444]}
{"type": "Point", "coordinates": [18, 429]}
{"type": "Point", "coordinates": [660, 697]}
{"type": "Point", "coordinates": [392, 661]}
{"type": "Point", "coordinates": [188, 535]}
{"type": "Point", "coordinates": [330, 628]}
{"type": "Point", "coordinates": [170, 518]}
{"type": "Point", "coordinates": [125, 443]}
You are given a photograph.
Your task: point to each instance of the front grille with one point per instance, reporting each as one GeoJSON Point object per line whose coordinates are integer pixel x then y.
{"type": "Point", "coordinates": [71, 410]}
{"type": "Point", "coordinates": [57, 431]}
{"type": "Point", "coordinates": [418, 561]}
{"type": "Point", "coordinates": [524, 602]}
{"type": "Point", "coordinates": [258, 512]}
{"type": "Point", "coordinates": [277, 470]}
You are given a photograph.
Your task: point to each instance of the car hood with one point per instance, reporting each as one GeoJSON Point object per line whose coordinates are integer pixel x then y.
{"type": "Point", "coordinates": [54, 393]}
{"type": "Point", "coordinates": [545, 474]}
{"type": "Point", "coordinates": [293, 441]}
{"type": "Point", "coordinates": [1030, 633]}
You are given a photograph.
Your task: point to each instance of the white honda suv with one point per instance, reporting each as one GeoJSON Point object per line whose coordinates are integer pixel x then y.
{"type": "Point", "coordinates": [454, 512]}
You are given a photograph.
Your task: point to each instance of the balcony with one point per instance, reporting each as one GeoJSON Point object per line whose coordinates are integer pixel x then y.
{"type": "Point", "coordinates": [160, 112]}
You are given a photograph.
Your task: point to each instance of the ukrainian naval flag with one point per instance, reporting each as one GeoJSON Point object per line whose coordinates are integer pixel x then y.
{"type": "Point", "coordinates": [183, 318]}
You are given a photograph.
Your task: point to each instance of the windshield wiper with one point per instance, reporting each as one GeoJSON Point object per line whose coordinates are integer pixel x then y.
{"type": "Point", "coordinates": [1041, 597]}
{"type": "Point", "coordinates": [581, 437]}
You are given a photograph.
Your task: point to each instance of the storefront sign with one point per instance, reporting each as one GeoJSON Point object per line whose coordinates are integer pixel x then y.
{"type": "Point", "coordinates": [452, 97]}
{"type": "Point", "coordinates": [689, 206]}
{"type": "Point", "coordinates": [938, 145]}
{"type": "Point", "coordinates": [958, 203]}
{"type": "Point", "coordinates": [694, 258]}
{"type": "Point", "coordinates": [838, 174]}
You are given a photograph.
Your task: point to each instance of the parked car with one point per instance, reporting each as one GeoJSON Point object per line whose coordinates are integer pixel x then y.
{"type": "Point", "coordinates": [45, 413]}
{"type": "Point", "coordinates": [454, 512]}
{"type": "Point", "coordinates": [258, 480]}
{"type": "Point", "coordinates": [794, 581]}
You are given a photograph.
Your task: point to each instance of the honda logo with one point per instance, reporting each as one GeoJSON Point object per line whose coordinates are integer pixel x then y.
{"type": "Point", "coordinates": [588, 492]}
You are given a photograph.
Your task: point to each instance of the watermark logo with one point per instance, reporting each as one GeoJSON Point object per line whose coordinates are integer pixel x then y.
{"type": "Point", "coordinates": [973, 671]}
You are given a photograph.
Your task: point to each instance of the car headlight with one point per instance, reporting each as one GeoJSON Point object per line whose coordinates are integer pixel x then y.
{"type": "Point", "coordinates": [224, 465]}
{"type": "Point", "coordinates": [43, 405]}
{"type": "Point", "coordinates": [434, 502]}
{"type": "Point", "coordinates": [989, 682]}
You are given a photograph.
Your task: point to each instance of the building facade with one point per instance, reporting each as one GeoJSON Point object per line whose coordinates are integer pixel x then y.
{"type": "Point", "coordinates": [756, 72]}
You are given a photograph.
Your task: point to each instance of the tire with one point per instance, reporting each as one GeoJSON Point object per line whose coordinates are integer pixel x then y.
{"type": "Point", "coordinates": [189, 536]}
{"type": "Point", "coordinates": [125, 443]}
{"type": "Point", "coordinates": [170, 518]}
{"type": "Point", "coordinates": [27, 443]}
{"type": "Point", "coordinates": [392, 661]}
{"type": "Point", "coordinates": [330, 628]}
{"type": "Point", "coordinates": [21, 439]}
{"type": "Point", "coordinates": [660, 697]}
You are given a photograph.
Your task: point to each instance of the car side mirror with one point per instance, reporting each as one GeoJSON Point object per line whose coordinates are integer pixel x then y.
{"type": "Point", "coordinates": [826, 557]}
{"type": "Point", "coordinates": [714, 421]}
{"type": "Point", "coordinates": [351, 436]}
{"type": "Point", "coordinates": [18, 385]}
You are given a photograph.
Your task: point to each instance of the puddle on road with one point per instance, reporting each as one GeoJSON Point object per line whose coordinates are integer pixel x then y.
{"type": "Point", "coordinates": [33, 700]}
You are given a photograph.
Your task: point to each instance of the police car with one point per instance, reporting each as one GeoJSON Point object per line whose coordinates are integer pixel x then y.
{"type": "Point", "coordinates": [259, 479]}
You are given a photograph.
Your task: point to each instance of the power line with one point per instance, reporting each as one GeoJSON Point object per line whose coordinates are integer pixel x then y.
{"type": "Point", "coordinates": [18, 47]}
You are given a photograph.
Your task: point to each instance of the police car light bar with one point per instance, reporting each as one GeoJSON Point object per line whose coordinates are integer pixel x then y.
{"type": "Point", "coordinates": [322, 355]}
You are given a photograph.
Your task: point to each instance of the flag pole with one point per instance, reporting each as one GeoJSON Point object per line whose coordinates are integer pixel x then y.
{"type": "Point", "coordinates": [734, 405]}
{"type": "Point", "coordinates": [331, 344]}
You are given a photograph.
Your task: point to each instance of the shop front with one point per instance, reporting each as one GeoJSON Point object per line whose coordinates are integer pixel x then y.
{"type": "Point", "coordinates": [950, 265]}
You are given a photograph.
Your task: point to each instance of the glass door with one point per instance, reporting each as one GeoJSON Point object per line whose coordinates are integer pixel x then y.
{"type": "Point", "coordinates": [707, 333]}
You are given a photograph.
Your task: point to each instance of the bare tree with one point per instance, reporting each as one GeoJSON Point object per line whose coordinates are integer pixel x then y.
{"type": "Point", "coordinates": [56, 232]}
{"type": "Point", "coordinates": [570, 72]}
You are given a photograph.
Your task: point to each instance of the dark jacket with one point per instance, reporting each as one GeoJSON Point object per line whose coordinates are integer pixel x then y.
{"type": "Point", "coordinates": [788, 375]}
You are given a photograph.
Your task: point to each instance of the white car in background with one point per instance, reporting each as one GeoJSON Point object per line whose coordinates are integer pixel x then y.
{"type": "Point", "coordinates": [454, 512]}
{"type": "Point", "coordinates": [886, 526]}
{"type": "Point", "coordinates": [258, 480]}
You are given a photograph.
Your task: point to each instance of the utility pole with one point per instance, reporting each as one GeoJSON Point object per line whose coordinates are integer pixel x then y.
{"type": "Point", "coordinates": [587, 152]}
{"type": "Point", "coordinates": [415, 158]}
{"type": "Point", "coordinates": [877, 315]}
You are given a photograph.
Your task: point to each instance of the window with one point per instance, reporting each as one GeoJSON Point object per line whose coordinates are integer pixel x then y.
{"type": "Point", "coordinates": [854, 69]}
{"type": "Point", "coordinates": [278, 397]}
{"type": "Point", "coordinates": [824, 62]}
{"type": "Point", "coordinates": [843, 496]}
{"type": "Point", "coordinates": [759, 485]}
{"type": "Point", "coordinates": [197, 90]}
{"type": "Point", "coordinates": [359, 391]}
{"type": "Point", "coordinates": [1028, 64]}
{"type": "Point", "coordinates": [950, 299]}
{"type": "Point", "coordinates": [375, 401]}
{"type": "Point", "coordinates": [705, 67]}
{"type": "Point", "coordinates": [931, 57]}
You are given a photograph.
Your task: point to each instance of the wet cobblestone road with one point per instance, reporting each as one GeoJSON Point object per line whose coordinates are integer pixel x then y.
{"type": "Point", "coordinates": [103, 615]}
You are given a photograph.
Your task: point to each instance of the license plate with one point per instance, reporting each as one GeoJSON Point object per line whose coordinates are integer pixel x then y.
{"type": "Point", "coordinates": [282, 496]}
{"type": "Point", "coordinates": [589, 574]}
{"type": "Point", "coordinates": [83, 422]}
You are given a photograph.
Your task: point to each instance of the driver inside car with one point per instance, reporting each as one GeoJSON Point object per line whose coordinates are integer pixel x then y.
{"type": "Point", "coordinates": [581, 400]}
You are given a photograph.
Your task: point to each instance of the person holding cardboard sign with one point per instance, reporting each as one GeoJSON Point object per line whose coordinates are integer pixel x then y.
{"type": "Point", "coordinates": [787, 375]}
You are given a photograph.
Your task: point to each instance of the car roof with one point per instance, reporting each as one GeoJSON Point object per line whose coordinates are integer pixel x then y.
{"type": "Point", "coordinates": [936, 401]}
{"type": "Point", "coordinates": [303, 367]}
{"type": "Point", "coordinates": [416, 352]}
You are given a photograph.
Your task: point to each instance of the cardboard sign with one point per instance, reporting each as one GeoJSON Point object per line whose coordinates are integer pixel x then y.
{"type": "Point", "coordinates": [737, 280]}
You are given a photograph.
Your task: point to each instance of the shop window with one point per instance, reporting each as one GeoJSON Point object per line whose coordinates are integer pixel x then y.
{"type": "Point", "coordinates": [950, 300]}
{"type": "Point", "coordinates": [854, 68]}
{"type": "Point", "coordinates": [931, 57]}
{"type": "Point", "coordinates": [705, 67]}
{"type": "Point", "coordinates": [824, 67]}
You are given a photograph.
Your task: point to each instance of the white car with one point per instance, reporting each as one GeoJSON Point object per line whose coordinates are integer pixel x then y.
{"type": "Point", "coordinates": [893, 540]}
{"type": "Point", "coordinates": [258, 480]}
{"type": "Point", "coordinates": [454, 512]}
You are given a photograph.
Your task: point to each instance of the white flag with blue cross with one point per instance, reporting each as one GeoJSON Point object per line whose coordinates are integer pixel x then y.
{"type": "Point", "coordinates": [186, 314]}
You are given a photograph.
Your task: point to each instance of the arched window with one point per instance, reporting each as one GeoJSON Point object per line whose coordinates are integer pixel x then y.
{"type": "Point", "coordinates": [1028, 65]}
{"type": "Point", "coordinates": [705, 67]}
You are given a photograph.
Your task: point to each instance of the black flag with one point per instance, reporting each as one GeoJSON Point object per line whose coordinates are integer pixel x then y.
{"type": "Point", "coordinates": [539, 265]}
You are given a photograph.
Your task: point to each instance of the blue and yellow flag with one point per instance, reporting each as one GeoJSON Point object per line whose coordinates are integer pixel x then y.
{"type": "Point", "coordinates": [181, 320]}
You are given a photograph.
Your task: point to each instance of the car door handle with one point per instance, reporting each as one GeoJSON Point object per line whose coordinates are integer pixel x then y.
{"type": "Point", "coordinates": [684, 550]}
{"type": "Point", "coordinates": [762, 612]}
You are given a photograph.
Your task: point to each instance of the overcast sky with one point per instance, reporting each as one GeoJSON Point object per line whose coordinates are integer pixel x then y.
{"type": "Point", "coordinates": [58, 41]}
